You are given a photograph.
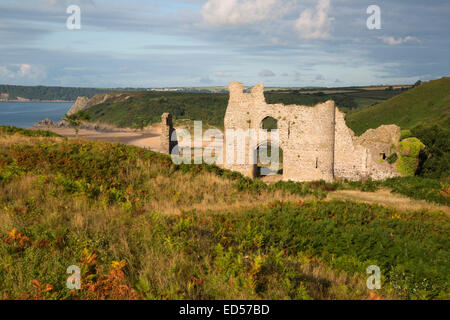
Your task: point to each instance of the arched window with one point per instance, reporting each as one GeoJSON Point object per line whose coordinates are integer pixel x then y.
{"type": "Point", "coordinates": [269, 123]}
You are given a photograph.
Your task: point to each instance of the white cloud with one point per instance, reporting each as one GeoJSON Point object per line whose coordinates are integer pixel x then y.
{"type": "Point", "coordinates": [392, 41]}
{"type": "Point", "coordinates": [238, 12]}
{"type": "Point", "coordinates": [315, 24]}
{"type": "Point", "coordinates": [21, 72]}
{"type": "Point", "coordinates": [267, 73]}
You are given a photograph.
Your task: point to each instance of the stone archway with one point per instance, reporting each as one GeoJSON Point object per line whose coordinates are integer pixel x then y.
{"type": "Point", "coordinates": [268, 160]}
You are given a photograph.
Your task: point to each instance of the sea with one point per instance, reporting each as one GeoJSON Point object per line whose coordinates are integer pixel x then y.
{"type": "Point", "coordinates": [25, 114]}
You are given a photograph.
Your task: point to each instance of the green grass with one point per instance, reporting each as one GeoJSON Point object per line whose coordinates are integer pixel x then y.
{"type": "Point", "coordinates": [107, 209]}
{"type": "Point", "coordinates": [426, 104]}
{"type": "Point", "coordinates": [27, 132]}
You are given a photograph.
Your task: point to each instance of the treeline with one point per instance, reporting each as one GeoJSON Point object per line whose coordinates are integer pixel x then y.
{"type": "Point", "coordinates": [145, 108]}
{"type": "Point", "coordinates": [54, 93]}
{"type": "Point", "coordinates": [346, 101]}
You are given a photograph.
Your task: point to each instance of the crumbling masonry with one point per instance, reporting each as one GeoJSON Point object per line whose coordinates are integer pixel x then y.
{"type": "Point", "coordinates": [168, 138]}
{"type": "Point", "coordinates": [316, 142]}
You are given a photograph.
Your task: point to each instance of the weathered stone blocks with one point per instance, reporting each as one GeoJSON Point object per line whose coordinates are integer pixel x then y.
{"type": "Point", "coordinates": [316, 142]}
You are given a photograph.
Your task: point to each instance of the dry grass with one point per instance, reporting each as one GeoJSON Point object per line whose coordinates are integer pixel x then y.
{"type": "Point", "coordinates": [169, 254]}
{"type": "Point", "coordinates": [386, 198]}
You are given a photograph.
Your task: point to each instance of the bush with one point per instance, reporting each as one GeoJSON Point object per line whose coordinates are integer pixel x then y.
{"type": "Point", "coordinates": [409, 150]}
{"type": "Point", "coordinates": [435, 159]}
{"type": "Point", "coordinates": [10, 130]}
{"type": "Point", "coordinates": [392, 158]}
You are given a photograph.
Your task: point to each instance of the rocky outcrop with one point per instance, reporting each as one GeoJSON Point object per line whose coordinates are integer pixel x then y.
{"type": "Point", "coordinates": [84, 103]}
{"type": "Point", "coordinates": [46, 123]}
{"type": "Point", "coordinates": [80, 104]}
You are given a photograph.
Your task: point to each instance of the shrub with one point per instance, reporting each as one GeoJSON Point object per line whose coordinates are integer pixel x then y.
{"type": "Point", "coordinates": [392, 158]}
{"type": "Point", "coordinates": [409, 150]}
{"type": "Point", "coordinates": [10, 130]}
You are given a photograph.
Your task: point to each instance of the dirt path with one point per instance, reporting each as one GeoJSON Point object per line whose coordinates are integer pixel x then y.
{"type": "Point", "coordinates": [386, 198]}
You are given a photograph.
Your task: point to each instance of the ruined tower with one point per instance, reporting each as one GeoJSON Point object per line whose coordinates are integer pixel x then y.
{"type": "Point", "coordinates": [169, 142]}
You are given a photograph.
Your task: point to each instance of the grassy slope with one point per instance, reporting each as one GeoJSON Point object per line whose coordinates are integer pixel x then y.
{"type": "Point", "coordinates": [140, 227]}
{"type": "Point", "coordinates": [427, 104]}
{"type": "Point", "coordinates": [144, 108]}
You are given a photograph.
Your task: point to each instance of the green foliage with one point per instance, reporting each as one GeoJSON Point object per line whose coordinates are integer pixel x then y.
{"type": "Point", "coordinates": [435, 159]}
{"type": "Point", "coordinates": [10, 130]}
{"type": "Point", "coordinates": [421, 112]}
{"type": "Point", "coordinates": [368, 185]}
{"type": "Point", "coordinates": [84, 200]}
{"type": "Point", "coordinates": [405, 133]}
{"type": "Point", "coordinates": [358, 235]}
{"type": "Point", "coordinates": [392, 158]}
{"type": "Point", "coordinates": [269, 123]}
{"type": "Point", "coordinates": [431, 190]}
{"type": "Point", "coordinates": [353, 98]}
{"type": "Point", "coordinates": [80, 115]}
{"type": "Point", "coordinates": [411, 147]}
{"type": "Point", "coordinates": [409, 150]}
{"type": "Point", "coordinates": [145, 108]}
{"type": "Point", "coordinates": [407, 165]}
{"type": "Point", "coordinates": [428, 103]}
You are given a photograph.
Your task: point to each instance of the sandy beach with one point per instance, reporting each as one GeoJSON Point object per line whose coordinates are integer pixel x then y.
{"type": "Point", "coordinates": [148, 138]}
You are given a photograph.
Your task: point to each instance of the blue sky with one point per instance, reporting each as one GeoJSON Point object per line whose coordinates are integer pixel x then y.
{"type": "Point", "coordinates": [137, 43]}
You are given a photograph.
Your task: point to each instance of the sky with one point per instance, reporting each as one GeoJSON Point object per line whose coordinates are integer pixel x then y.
{"type": "Point", "coordinates": [171, 43]}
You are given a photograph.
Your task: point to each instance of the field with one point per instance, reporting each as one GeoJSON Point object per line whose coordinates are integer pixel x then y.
{"type": "Point", "coordinates": [140, 227]}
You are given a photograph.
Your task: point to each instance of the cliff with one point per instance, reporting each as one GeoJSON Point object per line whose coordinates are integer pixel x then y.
{"type": "Point", "coordinates": [84, 103]}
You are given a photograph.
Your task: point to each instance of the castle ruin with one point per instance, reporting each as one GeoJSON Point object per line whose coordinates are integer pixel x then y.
{"type": "Point", "coordinates": [316, 142]}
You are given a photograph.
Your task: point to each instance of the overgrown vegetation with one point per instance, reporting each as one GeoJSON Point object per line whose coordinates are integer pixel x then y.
{"type": "Point", "coordinates": [140, 227]}
{"type": "Point", "coordinates": [431, 190]}
{"type": "Point", "coordinates": [422, 112]}
{"type": "Point", "coordinates": [435, 159]}
{"type": "Point", "coordinates": [10, 130]}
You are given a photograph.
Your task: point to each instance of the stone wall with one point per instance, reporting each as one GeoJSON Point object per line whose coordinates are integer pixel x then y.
{"type": "Point", "coordinates": [168, 135]}
{"type": "Point", "coordinates": [316, 142]}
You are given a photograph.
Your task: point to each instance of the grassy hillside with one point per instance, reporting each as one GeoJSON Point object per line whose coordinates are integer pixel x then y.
{"type": "Point", "coordinates": [426, 104]}
{"type": "Point", "coordinates": [140, 109]}
{"type": "Point", "coordinates": [140, 227]}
